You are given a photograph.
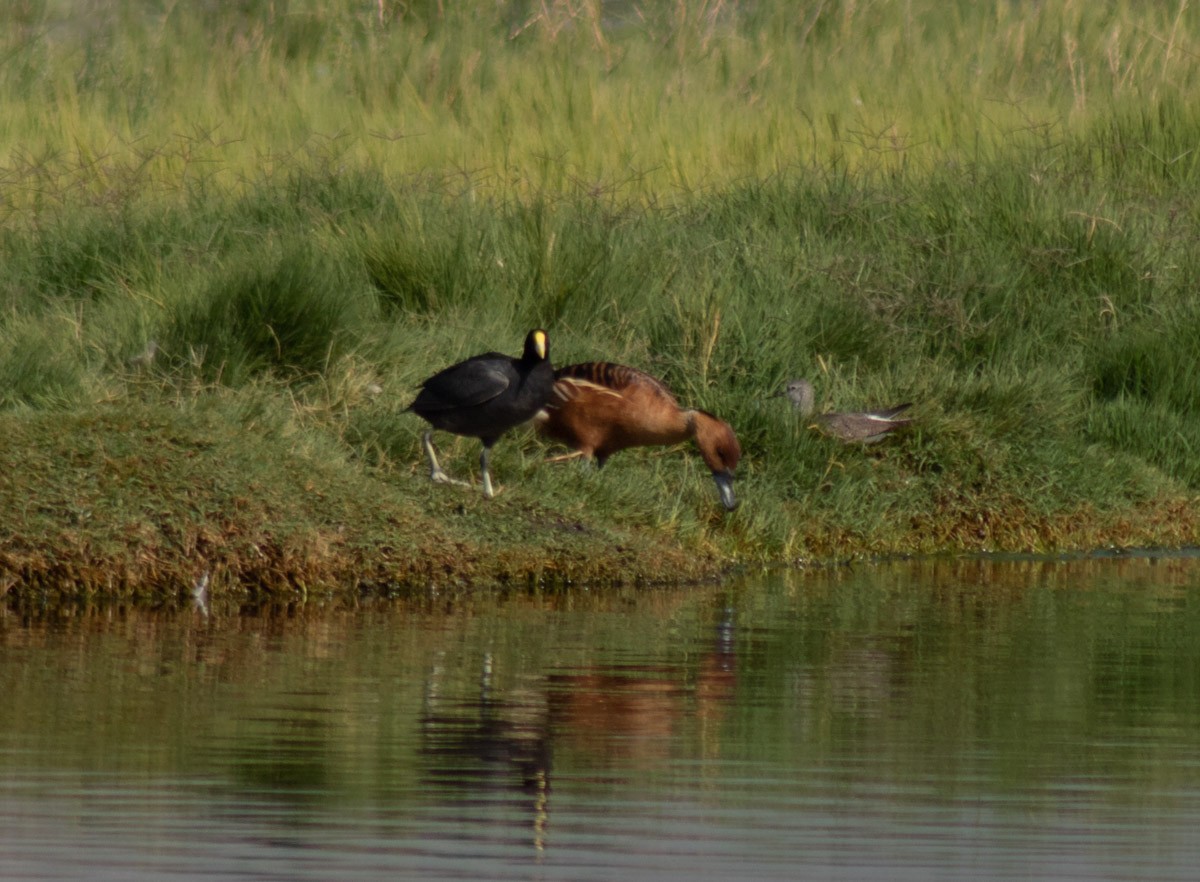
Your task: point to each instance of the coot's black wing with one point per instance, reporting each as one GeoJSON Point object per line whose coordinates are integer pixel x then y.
{"type": "Point", "coordinates": [467, 384]}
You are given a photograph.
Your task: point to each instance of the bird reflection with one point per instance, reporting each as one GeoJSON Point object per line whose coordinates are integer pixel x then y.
{"type": "Point", "coordinates": [490, 744]}
{"type": "Point", "coordinates": [486, 738]}
{"type": "Point", "coordinates": [633, 715]}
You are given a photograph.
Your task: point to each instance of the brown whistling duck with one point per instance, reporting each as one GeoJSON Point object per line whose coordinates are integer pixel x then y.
{"type": "Point", "coordinates": [483, 397]}
{"type": "Point", "coordinates": [599, 408]}
{"type": "Point", "coordinates": [866, 426]}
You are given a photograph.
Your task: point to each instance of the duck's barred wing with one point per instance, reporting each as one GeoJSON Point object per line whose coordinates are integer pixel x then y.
{"type": "Point", "coordinates": [606, 377]}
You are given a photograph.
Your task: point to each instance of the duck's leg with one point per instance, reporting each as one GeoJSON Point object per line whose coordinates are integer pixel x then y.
{"type": "Point", "coordinates": [435, 471]}
{"type": "Point", "coordinates": [566, 457]}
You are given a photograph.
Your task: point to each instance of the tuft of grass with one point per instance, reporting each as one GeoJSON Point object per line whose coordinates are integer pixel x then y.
{"type": "Point", "coordinates": [288, 311]}
{"type": "Point", "coordinates": [40, 369]}
{"type": "Point", "coordinates": [1151, 434]}
{"type": "Point", "coordinates": [1155, 359]}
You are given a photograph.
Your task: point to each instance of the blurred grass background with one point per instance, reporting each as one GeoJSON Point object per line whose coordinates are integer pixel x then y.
{"type": "Point", "coordinates": [984, 208]}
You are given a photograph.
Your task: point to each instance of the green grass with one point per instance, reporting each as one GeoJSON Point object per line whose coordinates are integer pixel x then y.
{"type": "Point", "coordinates": [311, 207]}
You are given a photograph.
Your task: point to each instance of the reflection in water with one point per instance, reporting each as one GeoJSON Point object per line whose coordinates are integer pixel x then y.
{"type": "Point", "coordinates": [500, 744]}
{"type": "Point", "coordinates": [473, 751]}
{"type": "Point", "coordinates": [938, 720]}
{"type": "Point", "coordinates": [632, 715]}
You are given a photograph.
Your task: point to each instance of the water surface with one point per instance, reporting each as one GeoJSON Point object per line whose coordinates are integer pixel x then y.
{"type": "Point", "coordinates": [938, 720]}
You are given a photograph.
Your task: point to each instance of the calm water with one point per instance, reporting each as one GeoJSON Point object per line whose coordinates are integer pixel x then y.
{"type": "Point", "coordinates": [949, 720]}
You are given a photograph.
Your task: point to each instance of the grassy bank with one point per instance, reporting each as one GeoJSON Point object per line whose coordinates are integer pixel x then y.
{"type": "Point", "coordinates": [703, 196]}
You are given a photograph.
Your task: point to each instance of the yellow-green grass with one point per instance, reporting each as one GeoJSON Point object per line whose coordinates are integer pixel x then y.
{"type": "Point", "coordinates": [311, 207]}
{"type": "Point", "coordinates": [643, 100]}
